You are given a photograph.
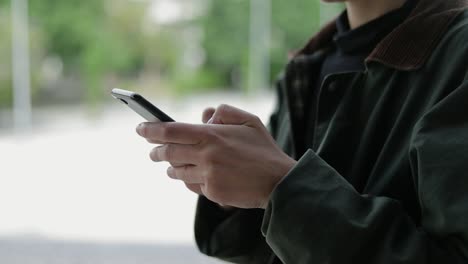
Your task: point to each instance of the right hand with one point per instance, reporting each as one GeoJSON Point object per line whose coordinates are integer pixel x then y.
{"type": "Point", "coordinates": [206, 119]}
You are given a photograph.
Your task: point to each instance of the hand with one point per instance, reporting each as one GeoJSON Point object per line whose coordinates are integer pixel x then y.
{"type": "Point", "coordinates": [233, 162]}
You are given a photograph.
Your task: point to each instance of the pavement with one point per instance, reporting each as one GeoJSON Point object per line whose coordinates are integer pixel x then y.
{"type": "Point", "coordinates": [38, 251]}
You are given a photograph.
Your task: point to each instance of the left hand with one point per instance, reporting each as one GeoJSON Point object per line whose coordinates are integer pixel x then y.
{"type": "Point", "coordinates": [233, 162]}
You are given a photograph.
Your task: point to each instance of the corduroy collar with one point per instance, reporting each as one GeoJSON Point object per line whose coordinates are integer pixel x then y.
{"type": "Point", "coordinates": [409, 45]}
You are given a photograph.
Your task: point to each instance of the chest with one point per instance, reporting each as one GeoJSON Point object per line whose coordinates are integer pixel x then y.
{"type": "Point", "coordinates": [361, 124]}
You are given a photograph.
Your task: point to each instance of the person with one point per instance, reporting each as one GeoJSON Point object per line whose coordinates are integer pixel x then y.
{"type": "Point", "coordinates": [365, 159]}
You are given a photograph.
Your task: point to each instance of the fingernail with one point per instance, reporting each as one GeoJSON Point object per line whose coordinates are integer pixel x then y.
{"type": "Point", "coordinates": [170, 172]}
{"type": "Point", "coordinates": [210, 121]}
{"type": "Point", "coordinates": [140, 129]}
{"type": "Point", "coordinates": [153, 155]}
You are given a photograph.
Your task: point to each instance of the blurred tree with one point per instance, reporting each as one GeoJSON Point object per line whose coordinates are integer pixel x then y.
{"type": "Point", "coordinates": [99, 40]}
{"type": "Point", "coordinates": [227, 32]}
{"type": "Point", "coordinates": [5, 59]}
{"type": "Point", "coordinates": [6, 89]}
{"type": "Point", "coordinates": [93, 38]}
{"type": "Point", "coordinates": [226, 28]}
{"type": "Point", "coordinates": [293, 24]}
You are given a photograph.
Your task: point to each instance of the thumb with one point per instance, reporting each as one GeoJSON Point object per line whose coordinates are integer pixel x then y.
{"type": "Point", "coordinates": [229, 115]}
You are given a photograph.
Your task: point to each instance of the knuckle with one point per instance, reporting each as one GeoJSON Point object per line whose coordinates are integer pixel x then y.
{"type": "Point", "coordinates": [257, 120]}
{"type": "Point", "coordinates": [184, 173]}
{"type": "Point", "coordinates": [167, 130]}
{"type": "Point", "coordinates": [167, 152]}
{"type": "Point", "coordinates": [162, 153]}
{"type": "Point", "coordinates": [223, 108]}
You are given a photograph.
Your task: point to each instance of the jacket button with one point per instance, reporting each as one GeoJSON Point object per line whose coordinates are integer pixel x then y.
{"type": "Point", "coordinates": [297, 84]}
{"type": "Point", "coordinates": [333, 86]}
{"type": "Point", "coordinates": [300, 84]}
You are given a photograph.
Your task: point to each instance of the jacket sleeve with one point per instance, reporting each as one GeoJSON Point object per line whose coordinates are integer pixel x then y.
{"type": "Point", "coordinates": [316, 216]}
{"type": "Point", "coordinates": [231, 235]}
{"type": "Point", "coordinates": [235, 235]}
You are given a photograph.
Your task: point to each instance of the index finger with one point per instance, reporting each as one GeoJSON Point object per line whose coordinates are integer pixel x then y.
{"type": "Point", "coordinates": [171, 132]}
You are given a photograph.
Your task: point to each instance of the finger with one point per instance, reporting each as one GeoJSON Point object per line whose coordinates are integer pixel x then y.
{"type": "Point", "coordinates": [194, 188]}
{"type": "Point", "coordinates": [171, 132]}
{"type": "Point", "coordinates": [188, 174]}
{"type": "Point", "coordinates": [207, 114]}
{"type": "Point", "coordinates": [229, 115]}
{"type": "Point", "coordinates": [175, 153]}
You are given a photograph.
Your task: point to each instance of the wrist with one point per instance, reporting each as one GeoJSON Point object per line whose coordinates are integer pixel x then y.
{"type": "Point", "coordinates": [287, 167]}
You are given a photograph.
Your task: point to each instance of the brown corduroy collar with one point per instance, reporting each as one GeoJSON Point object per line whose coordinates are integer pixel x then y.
{"type": "Point", "coordinates": [409, 45]}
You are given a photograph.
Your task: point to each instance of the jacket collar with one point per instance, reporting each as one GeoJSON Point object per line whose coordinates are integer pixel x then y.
{"type": "Point", "coordinates": [409, 45]}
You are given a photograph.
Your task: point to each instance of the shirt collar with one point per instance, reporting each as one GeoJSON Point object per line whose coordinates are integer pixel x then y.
{"type": "Point", "coordinates": [410, 44]}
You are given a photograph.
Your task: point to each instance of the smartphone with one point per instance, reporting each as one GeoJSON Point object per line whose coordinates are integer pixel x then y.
{"type": "Point", "coordinates": [141, 106]}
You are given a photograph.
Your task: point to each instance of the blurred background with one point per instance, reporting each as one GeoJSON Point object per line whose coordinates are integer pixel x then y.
{"type": "Point", "coordinates": [76, 183]}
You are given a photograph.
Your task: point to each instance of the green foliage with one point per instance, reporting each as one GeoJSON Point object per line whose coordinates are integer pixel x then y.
{"type": "Point", "coordinates": [203, 80]}
{"type": "Point", "coordinates": [6, 93]}
{"type": "Point", "coordinates": [226, 27]}
{"type": "Point", "coordinates": [91, 38]}
{"type": "Point", "coordinates": [102, 40]}
{"type": "Point", "coordinates": [293, 23]}
{"type": "Point", "coordinates": [5, 59]}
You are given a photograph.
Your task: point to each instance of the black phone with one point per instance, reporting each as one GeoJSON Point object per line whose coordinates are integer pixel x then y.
{"type": "Point", "coordinates": [141, 106]}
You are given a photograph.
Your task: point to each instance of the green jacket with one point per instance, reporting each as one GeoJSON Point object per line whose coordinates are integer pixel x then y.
{"type": "Point", "coordinates": [382, 175]}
